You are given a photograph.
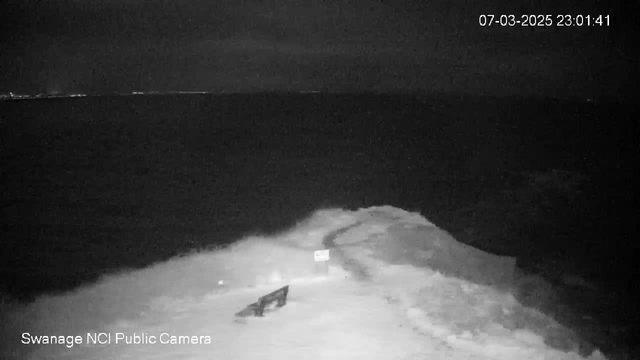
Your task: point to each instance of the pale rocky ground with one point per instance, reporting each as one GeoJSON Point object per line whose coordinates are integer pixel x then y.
{"type": "Point", "coordinates": [397, 287]}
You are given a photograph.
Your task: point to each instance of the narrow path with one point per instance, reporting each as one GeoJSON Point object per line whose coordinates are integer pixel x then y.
{"type": "Point", "coordinates": [329, 239]}
{"type": "Point", "coordinates": [357, 270]}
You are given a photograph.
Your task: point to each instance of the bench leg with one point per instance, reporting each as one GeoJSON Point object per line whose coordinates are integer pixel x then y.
{"type": "Point", "coordinates": [259, 311]}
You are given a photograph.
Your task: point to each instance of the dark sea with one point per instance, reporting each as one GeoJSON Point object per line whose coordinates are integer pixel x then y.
{"type": "Point", "coordinates": [97, 184]}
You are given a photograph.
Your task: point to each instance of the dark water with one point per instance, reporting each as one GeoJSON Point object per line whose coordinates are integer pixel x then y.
{"type": "Point", "coordinates": [96, 184]}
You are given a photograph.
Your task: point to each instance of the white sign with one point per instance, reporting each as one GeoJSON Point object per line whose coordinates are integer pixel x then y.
{"type": "Point", "coordinates": [321, 255]}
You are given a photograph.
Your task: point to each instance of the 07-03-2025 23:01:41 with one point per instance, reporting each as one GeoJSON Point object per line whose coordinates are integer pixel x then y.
{"type": "Point", "coordinates": [563, 20]}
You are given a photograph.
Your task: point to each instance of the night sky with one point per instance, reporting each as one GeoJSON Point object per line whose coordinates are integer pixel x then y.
{"type": "Point", "coordinates": [106, 46]}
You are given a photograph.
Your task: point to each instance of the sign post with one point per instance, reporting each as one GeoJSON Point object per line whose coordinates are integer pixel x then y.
{"type": "Point", "coordinates": [321, 258]}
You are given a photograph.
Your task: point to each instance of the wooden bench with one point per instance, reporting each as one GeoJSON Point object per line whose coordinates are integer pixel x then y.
{"type": "Point", "coordinates": [257, 308]}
